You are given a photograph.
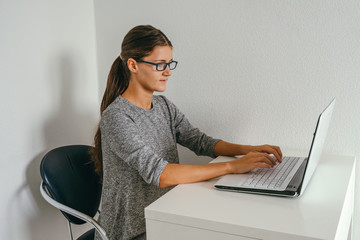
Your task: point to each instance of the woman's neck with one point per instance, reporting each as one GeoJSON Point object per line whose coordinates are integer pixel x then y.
{"type": "Point", "coordinates": [138, 97]}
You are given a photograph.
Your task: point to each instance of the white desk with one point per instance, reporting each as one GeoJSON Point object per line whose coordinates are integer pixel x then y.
{"type": "Point", "coordinates": [198, 211]}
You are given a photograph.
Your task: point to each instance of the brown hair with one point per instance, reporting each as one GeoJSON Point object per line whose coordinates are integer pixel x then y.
{"type": "Point", "coordinates": [138, 43]}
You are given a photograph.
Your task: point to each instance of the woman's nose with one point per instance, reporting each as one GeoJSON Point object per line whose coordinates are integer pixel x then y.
{"type": "Point", "coordinates": [167, 71]}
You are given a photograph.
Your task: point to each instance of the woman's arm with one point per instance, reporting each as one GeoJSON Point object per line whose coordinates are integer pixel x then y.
{"type": "Point", "coordinates": [174, 174]}
{"type": "Point", "coordinates": [223, 148]}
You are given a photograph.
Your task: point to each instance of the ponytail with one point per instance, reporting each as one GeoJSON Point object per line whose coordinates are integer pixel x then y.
{"type": "Point", "coordinates": [117, 83]}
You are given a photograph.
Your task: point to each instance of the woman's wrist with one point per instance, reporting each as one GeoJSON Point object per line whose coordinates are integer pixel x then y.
{"type": "Point", "coordinates": [229, 167]}
{"type": "Point", "coordinates": [245, 149]}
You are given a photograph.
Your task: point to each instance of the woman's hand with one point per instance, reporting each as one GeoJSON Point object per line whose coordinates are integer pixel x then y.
{"type": "Point", "coordinates": [250, 161]}
{"type": "Point", "coordinates": [269, 149]}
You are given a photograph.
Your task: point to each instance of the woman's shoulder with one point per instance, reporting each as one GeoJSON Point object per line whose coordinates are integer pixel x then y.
{"type": "Point", "coordinates": [162, 100]}
{"type": "Point", "coordinates": [117, 105]}
{"type": "Point", "coordinates": [167, 105]}
{"type": "Point", "coordinates": [118, 109]}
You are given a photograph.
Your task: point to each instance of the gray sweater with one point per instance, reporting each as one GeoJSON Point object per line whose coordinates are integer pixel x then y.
{"type": "Point", "coordinates": [137, 144]}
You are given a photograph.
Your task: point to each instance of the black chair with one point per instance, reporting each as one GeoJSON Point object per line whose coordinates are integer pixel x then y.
{"type": "Point", "coordinates": [70, 184]}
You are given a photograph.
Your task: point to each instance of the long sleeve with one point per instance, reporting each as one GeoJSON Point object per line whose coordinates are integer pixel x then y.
{"type": "Point", "coordinates": [128, 141]}
{"type": "Point", "coordinates": [190, 136]}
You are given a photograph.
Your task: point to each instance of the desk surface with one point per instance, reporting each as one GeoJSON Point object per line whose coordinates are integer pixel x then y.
{"type": "Point", "coordinates": [324, 211]}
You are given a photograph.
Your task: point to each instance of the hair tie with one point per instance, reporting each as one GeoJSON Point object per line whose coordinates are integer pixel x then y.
{"type": "Point", "coordinates": [122, 60]}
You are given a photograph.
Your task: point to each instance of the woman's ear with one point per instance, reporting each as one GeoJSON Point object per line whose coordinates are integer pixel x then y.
{"type": "Point", "coordinates": [132, 65]}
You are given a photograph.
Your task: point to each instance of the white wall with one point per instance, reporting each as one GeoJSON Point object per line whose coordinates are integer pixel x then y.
{"type": "Point", "coordinates": [253, 71]}
{"type": "Point", "coordinates": [48, 93]}
{"type": "Point", "coordinates": [250, 72]}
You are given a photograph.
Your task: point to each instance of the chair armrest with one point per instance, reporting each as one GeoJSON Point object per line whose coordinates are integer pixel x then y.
{"type": "Point", "coordinates": [72, 211]}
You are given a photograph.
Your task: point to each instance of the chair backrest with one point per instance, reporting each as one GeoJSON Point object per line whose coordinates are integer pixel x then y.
{"type": "Point", "coordinates": [69, 177]}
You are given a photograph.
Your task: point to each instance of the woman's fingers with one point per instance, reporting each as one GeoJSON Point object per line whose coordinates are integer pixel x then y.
{"type": "Point", "coordinates": [277, 153]}
{"type": "Point", "coordinates": [266, 158]}
{"type": "Point", "coordinates": [274, 150]}
{"type": "Point", "coordinates": [261, 165]}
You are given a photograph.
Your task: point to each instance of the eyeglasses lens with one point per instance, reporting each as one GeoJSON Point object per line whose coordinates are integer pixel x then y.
{"type": "Point", "coordinates": [161, 66]}
{"type": "Point", "coordinates": [172, 65]}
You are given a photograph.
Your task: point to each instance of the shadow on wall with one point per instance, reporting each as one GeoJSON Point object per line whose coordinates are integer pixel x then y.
{"type": "Point", "coordinates": [68, 124]}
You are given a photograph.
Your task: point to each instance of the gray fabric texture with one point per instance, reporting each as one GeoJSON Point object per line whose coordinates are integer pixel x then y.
{"type": "Point", "coordinates": [137, 144]}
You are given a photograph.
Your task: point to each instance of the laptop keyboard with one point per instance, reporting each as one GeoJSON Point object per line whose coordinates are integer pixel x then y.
{"type": "Point", "coordinates": [273, 178]}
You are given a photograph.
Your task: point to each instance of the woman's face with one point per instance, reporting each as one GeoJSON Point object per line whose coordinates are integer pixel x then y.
{"type": "Point", "coordinates": [148, 77]}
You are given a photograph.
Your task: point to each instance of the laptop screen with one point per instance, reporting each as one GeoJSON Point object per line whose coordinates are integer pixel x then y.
{"type": "Point", "coordinates": [318, 143]}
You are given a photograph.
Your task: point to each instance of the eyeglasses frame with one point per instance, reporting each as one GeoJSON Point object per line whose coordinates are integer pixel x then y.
{"type": "Point", "coordinates": [157, 64]}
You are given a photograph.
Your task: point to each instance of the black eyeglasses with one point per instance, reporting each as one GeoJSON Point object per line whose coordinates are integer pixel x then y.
{"type": "Point", "coordinates": [161, 66]}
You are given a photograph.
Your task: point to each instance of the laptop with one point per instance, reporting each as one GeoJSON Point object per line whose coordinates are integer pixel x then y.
{"type": "Point", "coordinates": [288, 178]}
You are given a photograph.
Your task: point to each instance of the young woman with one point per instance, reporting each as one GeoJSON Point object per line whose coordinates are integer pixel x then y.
{"type": "Point", "coordinates": [136, 143]}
